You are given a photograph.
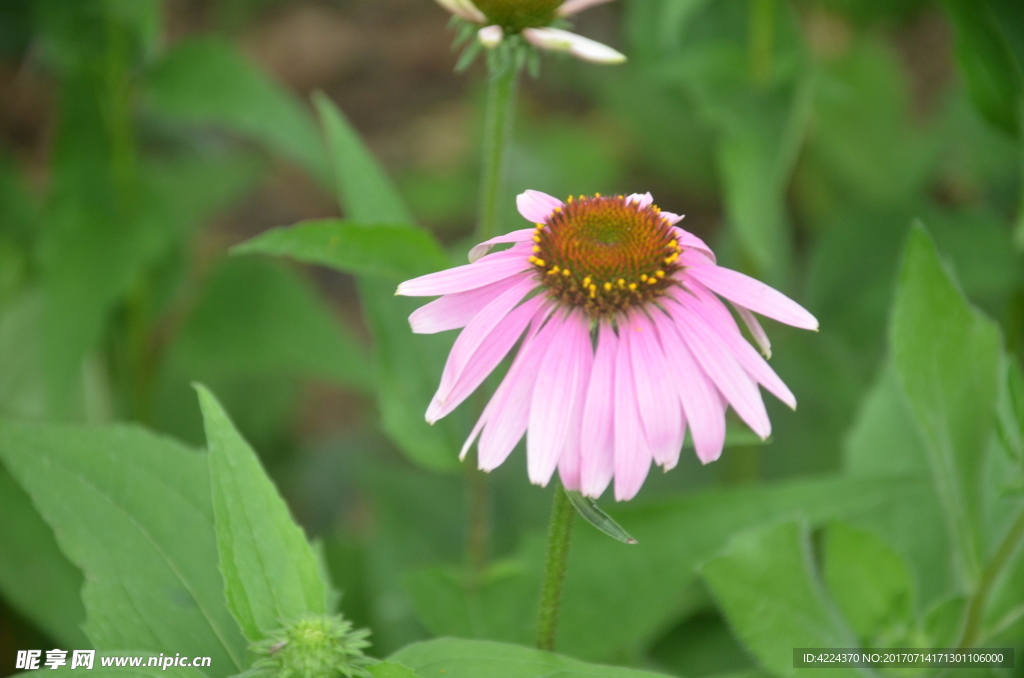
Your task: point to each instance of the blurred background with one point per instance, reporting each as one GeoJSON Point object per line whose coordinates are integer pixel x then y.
{"type": "Point", "coordinates": [140, 140]}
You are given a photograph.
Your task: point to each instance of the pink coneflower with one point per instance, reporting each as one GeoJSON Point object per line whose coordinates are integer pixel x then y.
{"type": "Point", "coordinates": [531, 19]}
{"type": "Point", "coordinates": [623, 342]}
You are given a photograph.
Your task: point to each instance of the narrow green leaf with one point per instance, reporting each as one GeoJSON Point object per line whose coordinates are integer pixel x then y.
{"type": "Point", "coordinates": [133, 511]}
{"type": "Point", "coordinates": [766, 584]}
{"type": "Point", "coordinates": [454, 658]}
{"type": "Point", "coordinates": [948, 358]}
{"type": "Point", "coordinates": [363, 189]}
{"type": "Point", "coordinates": [593, 514]}
{"type": "Point", "coordinates": [35, 577]}
{"type": "Point", "coordinates": [207, 81]}
{"type": "Point", "coordinates": [270, 571]}
{"type": "Point", "coordinates": [381, 250]}
{"type": "Point", "coordinates": [870, 583]}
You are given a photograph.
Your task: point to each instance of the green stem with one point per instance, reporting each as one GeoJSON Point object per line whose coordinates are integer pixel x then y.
{"type": "Point", "coordinates": [559, 534]}
{"type": "Point", "coordinates": [979, 601]}
{"type": "Point", "coordinates": [501, 95]}
{"type": "Point", "coordinates": [479, 528]}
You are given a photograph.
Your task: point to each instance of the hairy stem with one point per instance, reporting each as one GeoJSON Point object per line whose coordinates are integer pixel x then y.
{"type": "Point", "coordinates": [497, 135]}
{"type": "Point", "coordinates": [979, 601]}
{"type": "Point", "coordinates": [559, 535]}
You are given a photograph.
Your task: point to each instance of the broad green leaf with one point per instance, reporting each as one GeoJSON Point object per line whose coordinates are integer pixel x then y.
{"type": "Point", "coordinates": [766, 584]}
{"type": "Point", "coordinates": [35, 577]}
{"type": "Point", "coordinates": [391, 670]}
{"type": "Point", "coordinates": [133, 511]}
{"type": "Point", "coordinates": [22, 384]}
{"type": "Point", "coordinates": [1010, 410]}
{"type": "Point", "coordinates": [364, 191]}
{"type": "Point", "coordinates": [270, 572]}
{"type": "Point", "coordinates": [207, 81]}
{"type": "Point", "coordinates": [593, 514]}
{"type": "Point", "coordinates": [985, 49]}
{"type": "Point", "coordinates": [870, 583]}
{"type": "Point", "coordinates": [454, 658]}
{"type": "Point", "coordinates": [393, 252]}
{"type": "Point", "coordinates": [948, 356]}
{"type": "Point", "coordinates": [648, 583]}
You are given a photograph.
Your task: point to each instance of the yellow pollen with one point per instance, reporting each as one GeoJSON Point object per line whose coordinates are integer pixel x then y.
{"type": "Point", "coordinates": [536, 238]}
{"type": "Point", "coordinates": [540, 262]}
{"type": "Point", "coordinates": [554, 270]}
{"type": "Point", "coordinates": [660, 274]}
{"type": "Point", "coordinates": [597, 195]}
{"type": "Point", "coordinates": [536, 249]}
{"type": "Point", "coordinates": [593, 291]}
{"type": "Point", "coordinates": [632, 287]}
{"type": "Point", "coordinates": [651, 281]}
{"type": "Point", "coordinates": [607, 287]}
{"type": "Point", "coordinates": [533, 259]}
{"type": "Point", "coordinates": [570, 199]}
{"type": "Point", "coordinates": [643, 277]}
{"type": "Point", "coordinates": [586, 281]}
{"type": "Point", "coordinates": [565, 272]}
{"type": "Point", "coordinates": [622, 283]}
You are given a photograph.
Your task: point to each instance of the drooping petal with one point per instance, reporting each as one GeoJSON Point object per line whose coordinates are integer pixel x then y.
{"type": "Point", "coordinates": [642, 200]}
{"type": "Point", "coordinates": [723, 370]}
{"type": "Point", "coordinates": [536, 206]}
{"type": "Point", "coordinates": [671, 217]}
{"type": "Point", "coordinates": [699, 397]}
{"type": "Point", "coordinates": [598, 464]}
{"type": "Point", "coordinates": [471, 339]}
{"type": "Point", "coordinates": [488, 270]}
{"type": "Point", "coordinates": [660, 411]}
{"type": "Point", "coordinates": [753, 294]}
{"type": "Point", "coordinates": [493, 350]}
{"type": "Point", "coordinates": [465, 9]}
{"type": "Point", "coordinates": [756, 331]}
{"type": "Point", "coordinates": [718, 319]}
{"type": "Point", "coordinates": [571, 458]}
{"type": "Point", "coordinates": [510, 406]}
{"type": "Point", "coordinates": [483, 248]}
{"type": "Point", "coordinates": [557, 40]}
{"type": "Point", "coordinates": [570, 7]}
{"type": "Point", "coordinates": [490, 36]}
{"type": "Point", "coordinates": [453, 311]}
{"type": "Point", "coordinates": [554, 397]}
{"type": "Point", "coordinates": [632, 453]}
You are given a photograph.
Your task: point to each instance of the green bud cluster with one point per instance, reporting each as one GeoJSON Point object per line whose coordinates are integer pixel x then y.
{"type": "Point", "coordinates": [317, 646]}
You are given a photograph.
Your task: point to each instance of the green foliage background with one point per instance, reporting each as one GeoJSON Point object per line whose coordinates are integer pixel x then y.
{"type": "Point", "coordinates": [865, 157]}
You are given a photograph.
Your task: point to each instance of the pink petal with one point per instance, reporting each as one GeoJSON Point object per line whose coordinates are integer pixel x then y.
{"type": "Point", "coordinates": [671, 217]}
{"type": "Point", "coordinates": [471, 338]}
{"type": "Point", "coordinates": [490, 269]}
{"type": "Point", "coordinates": [465, 9]}
{"type": "Point", "coordinates": [484, 247]}
{"type": "Point", "coordinates": [632, 453]}
{"type": "Point", "coordinates": [554, 397]}
{"type": "Point", "coordinates": [557, 40]}
{"type": "Point", "coordinates": [756, 331]}
{"type": "Point", "coordinates": [700, 399]}
{"type": "Point", "coordinates": [753, 294]}
{"type": "Point", "coordinates": [642, 200]}
{"type": "Point", "coordinates": [574, 6]}
{"type": "Point", "coordinates": [571, 458]}
{"type": "Point", "coordinates": [536, 207]}
{"type": "Point", "coordinates": [660, 411]}
{"type": "Point", "coordinates": [510, 406]}
{"type": "Point", "coordinates": [718, 319]}
{"type": "Point", "coordinates": [723, 370]}
{"type": "Point", "coordinates": [688, 241]}
{"type": "Point", "coordinates": [453, 311]}
{"type": "Point", "coordinates": [490, 36]}
{"type": "Point", "coordinates": [494, 349]}
{"type": "Point", "coordinates": [598, 464]}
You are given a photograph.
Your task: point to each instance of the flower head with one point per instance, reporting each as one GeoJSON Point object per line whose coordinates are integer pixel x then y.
{"type": "Point", "coordinates": [624, 342]}
{"type": "Point", "coordinates": [532, 19]}
{"type": "Point", "coordinates": [315, 646]}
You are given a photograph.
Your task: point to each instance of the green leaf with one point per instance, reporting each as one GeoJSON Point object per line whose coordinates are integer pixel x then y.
{"type": "Point", "coordinates": [649, 585]}
{"type": "Point", "coordinates": [870, 583]}
{"type": "Point", "coordinates": [766, 584]}
{"type": "Point", "coordinates": [948, 357]}
{"type": "Point", "coordinates": [363, 189]}
{"type": "Point", "coordinates": [1010, 410]}
{"type": "Point", "coordinates": [593, 514]}
{"type": "Point", "coordinates": [391, 670]}
{"type": "Point", "coordinates": [270, 572]}
{"type": "Point", "coordinates": [393, 252]}
{"type": "Point", "coordinates": [984, 48]}
{"type": "Point", "coordinates": [133, 511]}
{"type": "Point", "coordinates": [453, 658]}
{"type": "Point", "coordinates": [207, 81]}
{"type": "Point", "coordinates": [35, 577]}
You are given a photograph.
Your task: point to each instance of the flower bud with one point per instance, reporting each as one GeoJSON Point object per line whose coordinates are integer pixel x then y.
{"type": "Point", "coordinates": [316, 646]}
{"type": "Point", "coordinates": [490, 36]}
